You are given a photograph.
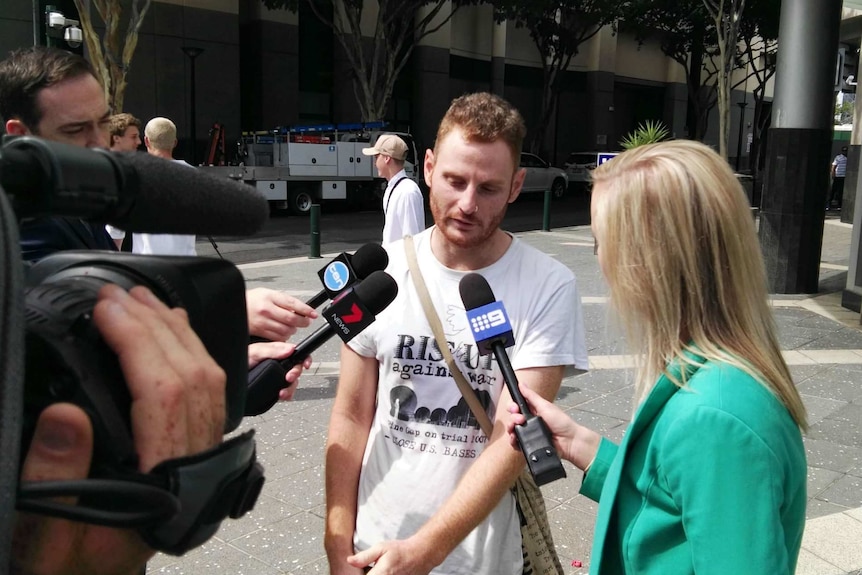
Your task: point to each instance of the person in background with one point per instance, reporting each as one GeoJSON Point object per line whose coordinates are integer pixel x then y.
{"type": "Point", "coordinates": [160, 138]}
{"type": "Point", "coordinates": [710, 477]}
{"type": "Point", "coordinates": [838, 173]}
{"type": "Point", "coordinates": [125, 137]}
{"type": "Point", "coordinates": [125, 133]}
{"type": "Point", "coordinates": [403, 205]}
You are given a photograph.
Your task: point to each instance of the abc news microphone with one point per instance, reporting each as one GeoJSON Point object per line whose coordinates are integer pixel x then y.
{"type": "Point", "coordinates": [348, 314]}
{"type": "Point", "coordinates": [345, 270]}
{"type": "Point", "coordinates": [492, 331]}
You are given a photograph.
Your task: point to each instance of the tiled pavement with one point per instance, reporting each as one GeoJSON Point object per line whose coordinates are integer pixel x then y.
{"type": "Point", "coordinates": [822, 343]}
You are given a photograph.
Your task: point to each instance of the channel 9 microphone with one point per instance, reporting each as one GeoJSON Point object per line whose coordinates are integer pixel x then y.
{"type": "Point", "coordinates": [493, 334]}
{"type": "Point", "coordinates": [345, 270]}
{"type": "Point", "coordinates": [348, 314]}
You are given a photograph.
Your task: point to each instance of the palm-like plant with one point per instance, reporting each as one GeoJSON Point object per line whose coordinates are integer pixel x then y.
{"type": "Point", "coordinates": [647, 132]}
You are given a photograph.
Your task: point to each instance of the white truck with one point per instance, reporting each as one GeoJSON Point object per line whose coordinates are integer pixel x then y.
{"type": "Point", "coordinates": [298, 166]}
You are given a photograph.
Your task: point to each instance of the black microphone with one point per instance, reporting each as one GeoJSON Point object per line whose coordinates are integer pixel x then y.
{"type": "Point", "coordinates": [134, 191]}
{"type": "Point", "coordinates": [492, 331]}
{"type": "Point", "coordinates": [345, 270]}
{"type": "Point", "coordinates": [350, 313]}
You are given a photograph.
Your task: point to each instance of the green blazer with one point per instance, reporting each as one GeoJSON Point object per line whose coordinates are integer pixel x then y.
{"type": "Point", "coordinates": [709, 479]}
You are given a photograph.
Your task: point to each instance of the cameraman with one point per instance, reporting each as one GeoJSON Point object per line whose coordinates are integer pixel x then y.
{"type": "Point", "coordinates": [178, 409]}
{"type": "Point", "coordinates": [56, 95]}
{"type": "Point", "coordinates": [178, 391]}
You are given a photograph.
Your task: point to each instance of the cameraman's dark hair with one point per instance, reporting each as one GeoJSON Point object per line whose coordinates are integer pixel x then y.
{"type": "Point", "coordinates": [25, 72]}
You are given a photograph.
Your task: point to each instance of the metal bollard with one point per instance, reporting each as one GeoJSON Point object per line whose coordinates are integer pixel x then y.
{"type": "Point", "coordinates": [546, 213]}
{"type": "Point", "coordinates": [315, 232]}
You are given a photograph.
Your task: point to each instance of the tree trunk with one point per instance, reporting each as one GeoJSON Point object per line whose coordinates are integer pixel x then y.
{"type": "Point", "coordinates": [723, 96]}
{"type": "Point", "coordinates": [695, 66]}
{"type": "Point", "coordinates": [549, 96]}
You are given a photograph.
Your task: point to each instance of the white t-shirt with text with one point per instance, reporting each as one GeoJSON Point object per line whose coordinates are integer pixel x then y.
{"type": "Point", "coordinates": [423, 438]}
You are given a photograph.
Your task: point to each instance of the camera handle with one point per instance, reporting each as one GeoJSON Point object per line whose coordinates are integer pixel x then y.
{"type": "Point", "coordinates": [176, 507]}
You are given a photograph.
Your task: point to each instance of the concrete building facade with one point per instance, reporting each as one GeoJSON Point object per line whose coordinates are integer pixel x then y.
{"type": "Point", "coordinates": [260, 69]}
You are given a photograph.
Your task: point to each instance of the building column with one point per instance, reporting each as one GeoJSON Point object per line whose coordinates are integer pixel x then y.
{"type": "Point", "coordinates": [851, 182]}
{"type": "Point", "coordinates": [601, 81]}
{"type": "Point", "coordinates": [431, 97]}
{"type": "Point", "coordinates": [798, 155]}
{"type": "Point", "coordinates": [851, 298]}
{"type": "Point", "coordinates": [498, 59]}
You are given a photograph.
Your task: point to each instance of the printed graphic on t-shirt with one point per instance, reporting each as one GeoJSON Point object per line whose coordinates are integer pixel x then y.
{"type": "Point", "coordinates": [405, 407]}
{"type": "Point", "coordinates": [429, 394]}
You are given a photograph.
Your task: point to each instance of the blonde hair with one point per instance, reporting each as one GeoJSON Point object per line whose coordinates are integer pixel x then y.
{"type": "Point", "coordinates": [683, 263]}
{"type": "Point", "coordinates": [162, 134]}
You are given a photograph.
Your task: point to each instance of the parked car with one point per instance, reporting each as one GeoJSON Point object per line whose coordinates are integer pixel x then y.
{"type": "Point", "coordinates": [579, 165]}
{"type": "Point", "coordinates": [542, 176]}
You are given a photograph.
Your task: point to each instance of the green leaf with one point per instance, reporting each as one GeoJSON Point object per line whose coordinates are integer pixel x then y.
{"type": "Point", "coordinates": [647, 132]}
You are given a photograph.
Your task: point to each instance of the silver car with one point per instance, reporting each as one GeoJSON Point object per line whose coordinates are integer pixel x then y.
{"type": "Point", "coordinates": [541, 176]}
{"type": "Point", "coordinates": [579, 165]}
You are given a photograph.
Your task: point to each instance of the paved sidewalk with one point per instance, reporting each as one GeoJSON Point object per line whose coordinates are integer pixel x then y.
{"type": "Point", "coordinates": [822, 343]}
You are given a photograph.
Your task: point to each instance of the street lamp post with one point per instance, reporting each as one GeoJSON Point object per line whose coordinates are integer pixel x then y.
{"type": "Point", "coordinates": [193, 52]}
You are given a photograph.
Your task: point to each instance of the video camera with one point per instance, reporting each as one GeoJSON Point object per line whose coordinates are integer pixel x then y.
{"type": "Point", "coordinates": [181, 503]}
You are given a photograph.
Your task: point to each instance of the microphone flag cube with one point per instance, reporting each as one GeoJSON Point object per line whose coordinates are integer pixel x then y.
{"type": "Point", "coordinates": [337, 275]}
{"type": "Point", "coordinates": [348, 315]}
{"type": "Point", "coordinates": [490, 324]}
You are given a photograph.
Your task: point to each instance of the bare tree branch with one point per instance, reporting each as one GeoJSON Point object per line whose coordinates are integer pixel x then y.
{"type": "Point", "coordinates": [112, 57]}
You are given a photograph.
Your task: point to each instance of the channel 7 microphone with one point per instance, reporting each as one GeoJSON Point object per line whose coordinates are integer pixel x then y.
{"type": "Point", "coordinates": [349, 313]}
{"type": "Point", "coordinates": [345, 270]}
{"type": "Point", "coordinates": [493, 334]}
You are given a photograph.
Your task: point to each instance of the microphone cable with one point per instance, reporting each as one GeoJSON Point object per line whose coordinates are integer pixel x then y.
{"type": "Point", "coordinates": [215, 247]}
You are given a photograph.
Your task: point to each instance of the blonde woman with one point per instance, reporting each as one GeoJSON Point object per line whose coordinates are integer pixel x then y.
{"type": "Point", "coordinates": [711, 474]}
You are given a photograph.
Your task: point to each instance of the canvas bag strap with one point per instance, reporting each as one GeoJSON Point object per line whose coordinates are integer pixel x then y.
{"type": "Point", "coordinates": [437, 328]}
{"type": "Point", "coordinates": [537, 541]}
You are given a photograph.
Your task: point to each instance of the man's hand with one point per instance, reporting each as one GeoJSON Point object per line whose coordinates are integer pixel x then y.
{"type": "Point", "coordinates": [178, 409]}
{"type": "Point", "coordinates": [403, 557]}
{"type": "Point", "coordinates": [274, 315]}
{"type": "Point", "coordinates": [257, 352]}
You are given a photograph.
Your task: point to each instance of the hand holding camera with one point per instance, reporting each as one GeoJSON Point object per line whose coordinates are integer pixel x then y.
{"type": "Point", "coordinates": [125, 399]}
{"type": "Point", "coordinates": [177, 393]}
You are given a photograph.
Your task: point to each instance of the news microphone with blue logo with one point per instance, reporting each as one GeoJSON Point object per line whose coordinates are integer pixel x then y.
{"type": "Point", "coordinates": [350, 312]}
{"type": "Point", "coordinates": [345, 270]}
{"type": "Point", "coordinates": [492, 331]}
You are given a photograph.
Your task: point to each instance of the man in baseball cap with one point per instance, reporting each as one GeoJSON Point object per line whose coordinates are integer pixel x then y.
{"type": "Point", "coordinates": [388, 145]}
{"type": "Point", "coordinates": [404, 207]}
